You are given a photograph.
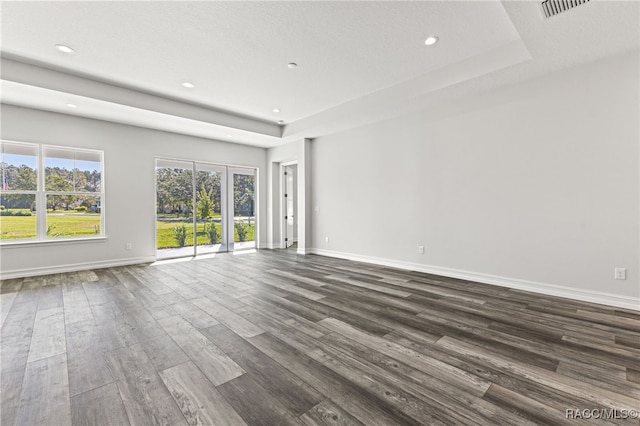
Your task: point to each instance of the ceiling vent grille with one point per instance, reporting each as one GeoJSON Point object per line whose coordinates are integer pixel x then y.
{"type": "Point", "coordinates": [554, 7]}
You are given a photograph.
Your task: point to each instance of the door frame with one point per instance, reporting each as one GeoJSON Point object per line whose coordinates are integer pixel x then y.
{"type": "Point", "coordinates": [228, 167]}
{"type": "Point", "coordinates": [231, 170]}
{"type": "Point", "coordinates": [283, 203]}
{"type": "Point", "coordinates": [224, 176]}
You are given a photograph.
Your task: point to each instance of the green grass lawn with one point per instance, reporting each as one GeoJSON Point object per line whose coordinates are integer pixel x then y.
{"type": "Point", "coordinates": [76, 224]}
{"type": "Point", "coordinates": [81, 224]}
{"type": "Point", "coordinates": [72, 212]}
{"type": "Point", "coordinates": [167, 239]}
{"type": "Point", "coordinates": [17, 227]}
{"type": "Point", "coordinates": [173, 216]}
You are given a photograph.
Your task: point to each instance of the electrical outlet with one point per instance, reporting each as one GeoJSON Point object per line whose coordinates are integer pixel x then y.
{"type": "Point", "coordinates": [620, 274]}
{"type": "Point", "coordinates": [421, 249]}
{"type": "Point", "coordinates": [128, 246]}
{"type": "Point", "coordinates": [326, 240]}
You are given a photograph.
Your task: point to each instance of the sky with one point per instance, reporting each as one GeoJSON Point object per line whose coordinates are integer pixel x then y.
{"type": "Point", "coordinates": [63, 163]}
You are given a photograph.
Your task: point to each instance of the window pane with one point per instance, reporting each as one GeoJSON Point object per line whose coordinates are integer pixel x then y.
{"type": "Point", "coordinates": [18, 167]}
{"type": "Point", "coordinates": [73, 215]}
{"type": "Point", "coordinates": [17, 216]}
{"type": "Point", "coordinates": [72, 170]}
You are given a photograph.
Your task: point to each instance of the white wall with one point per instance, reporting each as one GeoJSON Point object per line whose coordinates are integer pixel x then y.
{"type": "Point", "coordinates": [534, 186]}
{"type": "Point", "coordinates": [129, 154]}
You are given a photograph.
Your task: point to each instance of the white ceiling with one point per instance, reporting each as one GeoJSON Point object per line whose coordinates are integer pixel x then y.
{"type": "Point", "coordinates": [357, 61]}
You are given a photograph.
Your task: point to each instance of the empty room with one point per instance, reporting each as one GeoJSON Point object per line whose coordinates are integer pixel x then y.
{"type": "Point", "coordinates": [320, 212]}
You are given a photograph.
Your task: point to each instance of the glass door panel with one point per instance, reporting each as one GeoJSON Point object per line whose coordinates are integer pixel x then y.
{"type": "Point", "coordinates": [241, 199]}
{"type": "Point", "coordinates": [211, 203]}
{"type": "Point", "coordinates": [175, 214]}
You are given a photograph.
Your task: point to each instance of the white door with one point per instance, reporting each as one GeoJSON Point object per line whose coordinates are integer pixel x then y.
{"type": "Point", "coordinates": [289, 200]}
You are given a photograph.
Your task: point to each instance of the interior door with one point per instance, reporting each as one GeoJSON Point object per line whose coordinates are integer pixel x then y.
{"type": "Point", "coordinates": [289, 200]}
{"type": "Point", "coordinates": [241, 223]}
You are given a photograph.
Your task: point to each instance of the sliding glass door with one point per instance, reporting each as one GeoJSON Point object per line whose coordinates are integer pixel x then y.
{"type": "Point", "coordinates": [211, 191]}
{"type": "Point", "coordinates": [175, 218]}
{"type": "Point", "coordinates": [214, 203]}
{"type": "Point", "coordinates": [242, 218]}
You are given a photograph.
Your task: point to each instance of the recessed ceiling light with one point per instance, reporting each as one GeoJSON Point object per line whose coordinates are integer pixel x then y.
{"type": "Point", "coordinates": [431, 40]}
{"type": "Point", "coordinates": [276, 110]}
{"type": "Point", "coordinates": [65, 49]}
{"type": "Point", "coordinates": [188, 85]}
{"type": "Point", "coordinates": [72, 105]}
{"type": "Point", "coordinates": [292, 65]}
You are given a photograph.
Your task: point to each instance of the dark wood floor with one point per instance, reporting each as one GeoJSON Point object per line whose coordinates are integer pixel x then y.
{"type": "Point", "coordinates": [271, 338]}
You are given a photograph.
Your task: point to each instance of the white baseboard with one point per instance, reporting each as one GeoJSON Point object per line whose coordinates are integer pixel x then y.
{"type": "Point", "coordinates": [21, 273]}
{"type": "Point", "coordinates": [277, 246]}
{"type": "Point", "coordinates": [532, 286]}
{"type": "Point", "coordinates": [272, 246]}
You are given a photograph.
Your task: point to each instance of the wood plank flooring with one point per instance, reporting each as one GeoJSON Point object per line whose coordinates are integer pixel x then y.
{"type": "Point", "coordinates": [272, 338]}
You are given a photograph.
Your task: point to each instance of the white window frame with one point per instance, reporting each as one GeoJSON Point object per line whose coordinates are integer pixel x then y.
{"type": "Point", "coordinates": [41, 197]}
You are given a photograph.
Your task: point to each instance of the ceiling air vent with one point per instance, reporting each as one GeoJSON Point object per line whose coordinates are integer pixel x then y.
{"type": "Point", "coordinates": [554, 7]}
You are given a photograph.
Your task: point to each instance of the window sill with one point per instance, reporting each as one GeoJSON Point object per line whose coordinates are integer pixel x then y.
{"type": "Point", "coordinates": [22, 244]}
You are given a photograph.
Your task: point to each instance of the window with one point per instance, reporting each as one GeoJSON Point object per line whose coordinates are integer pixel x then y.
{"type": "Point", "coordinates": [50, 192]}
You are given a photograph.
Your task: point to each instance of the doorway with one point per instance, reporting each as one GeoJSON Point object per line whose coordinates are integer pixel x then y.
{"type": "Point", "coordinates": [204, 208]}
{"type": "Point", "coordinates": [290, 179]}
